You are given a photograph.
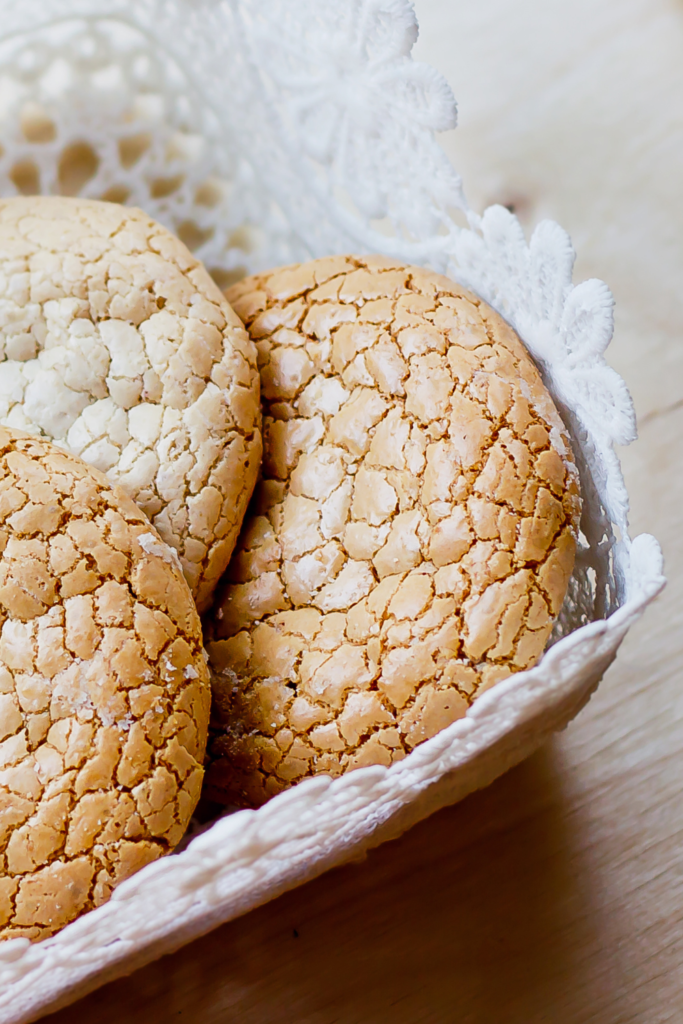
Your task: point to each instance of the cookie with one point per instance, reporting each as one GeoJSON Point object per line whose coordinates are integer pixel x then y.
{"type": "Point", "coordinates": [413, 535]}
{"type": "Point", "coordinates": [116, 343]}
{"type": "Point", "coordinates": [104, 691]}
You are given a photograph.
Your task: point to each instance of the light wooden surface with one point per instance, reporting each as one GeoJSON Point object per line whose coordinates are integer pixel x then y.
{"type": "Point", "coordinates": [557, 894]}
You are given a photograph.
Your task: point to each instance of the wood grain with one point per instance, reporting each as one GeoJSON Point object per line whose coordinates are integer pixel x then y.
{"type": "Point", "coordinates": [556, 895]}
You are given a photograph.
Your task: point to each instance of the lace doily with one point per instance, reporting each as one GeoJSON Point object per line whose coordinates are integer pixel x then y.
{"type": "Point", "coordinates": [265, 133]}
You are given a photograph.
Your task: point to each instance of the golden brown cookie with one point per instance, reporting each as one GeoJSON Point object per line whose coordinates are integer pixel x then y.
{"type": "Point", "coordinates": [115, 342]}
{"type": "Point", "coordinates": [104, 692]}
{"type": "Point", "coordinates": [412, 538]}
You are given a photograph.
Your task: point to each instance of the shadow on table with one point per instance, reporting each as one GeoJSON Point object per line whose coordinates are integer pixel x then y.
{"type": "Point", "coordinates": [479, 915]}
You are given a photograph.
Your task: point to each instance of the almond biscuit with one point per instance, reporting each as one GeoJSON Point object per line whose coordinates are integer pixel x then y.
{"type": "Point", "coordinates": [104, 690]}
{"type": "Point", "coordinates": [116, 343]}
{"type": "Point", "coordinates": [412, 537]}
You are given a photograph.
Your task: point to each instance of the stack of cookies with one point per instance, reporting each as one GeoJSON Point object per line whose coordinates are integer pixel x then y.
{"type": "Point", "coordinates": [401, 542]}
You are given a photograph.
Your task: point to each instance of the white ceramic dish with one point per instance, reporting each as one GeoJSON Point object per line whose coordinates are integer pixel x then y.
{"type": "Point", "coordinates": [263, 134]}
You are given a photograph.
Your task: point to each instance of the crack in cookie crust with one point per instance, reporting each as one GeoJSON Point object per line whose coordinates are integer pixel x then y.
{"type": "Point", "coordinates": [116, 343]}
{"type": "Point", "coordinates": [104, 689]}
{"type": "Point", "coordinates": [411, 540]}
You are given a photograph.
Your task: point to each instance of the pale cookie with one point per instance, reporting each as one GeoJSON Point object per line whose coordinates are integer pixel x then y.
{"type": "Point", "coordinates": [412, 538]}
{"type": "Point", "coordinates": [104, 691]}
{"type": "Point", "coordinates": [116, 343]}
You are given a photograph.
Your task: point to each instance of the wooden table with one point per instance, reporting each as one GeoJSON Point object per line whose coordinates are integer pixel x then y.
{"type": "Point", "coordinates": [556, 895]}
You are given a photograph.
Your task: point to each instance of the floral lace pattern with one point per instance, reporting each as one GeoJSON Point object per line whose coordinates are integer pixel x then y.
{"type": "Point", "coordinates": [352, 101]}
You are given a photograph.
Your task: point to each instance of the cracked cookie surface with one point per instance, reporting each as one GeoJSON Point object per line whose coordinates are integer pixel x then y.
{"type": "Point", "coordinates": [412, 537]}
{"type": "Point", "coordinates": [104, 689]}
{"type": "Point", "coordinates": [116, 343]}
